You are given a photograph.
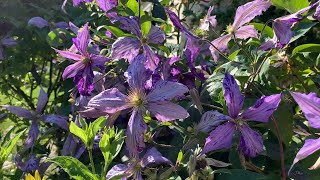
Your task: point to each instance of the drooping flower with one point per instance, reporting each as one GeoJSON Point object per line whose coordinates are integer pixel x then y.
{"type": "Point", "coordinates": [7, 42]}
{"type": "Point", "coordinates": [36, 116]}
{"type": "Point", "coordinates": [310, 106]}
{"type": "Point", "coordinates": [129, 47]}
{"type": "Point", "coordinates": [251, 143]}
{"type": "Point", "coordinates": [208, 20]}
{"type": "Point", "coordinates": [82, 70]}
{"type": "Point", "coordinates": [107, 5]}
{"type": "Point", "coordinates": [238, 29]}
{"type": "Point", "coordinates": [133, 169]}
{"type": "Point", "coordinates": [282, 28]}
{"type": "Point", "coordinates": [157, 102]}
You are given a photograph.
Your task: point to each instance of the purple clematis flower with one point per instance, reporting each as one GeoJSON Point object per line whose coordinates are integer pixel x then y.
{"type": "Point", "coordinates": [7, 42]}
{"type": "Point", "coordinates": [107, 5]}
{"type": "Point", "coordinates": [39, 22]}
{"type": "Point", "coordinates": [36, 116]}
{"type": "Point", "coordinates": [133, 169]}
{"type": "Point", "coordinates": [157, 101]}
{"type": "Point", "coordinates": [82, 70]}
{"type": "Point", "coordinates": [310, 106]}
{"type": "Point", "coordinates": [282, 29]}
{"type": "Point", "coordinates": [209, 20]}
{"type": "Point", "coordinates": [129, 47]}
{"type": "Point", "coordinates": [244, 14]}
{"type": "Point", "coordinates": [251, 143]}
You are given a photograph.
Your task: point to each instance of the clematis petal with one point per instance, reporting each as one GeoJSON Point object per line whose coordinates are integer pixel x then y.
{"type": "Point", "coordinates": [99, 61]}
{"type": "Point", "coordinates": [310, 146]}
{"type": "Point", "coordinates": [220, 138]}
{"type": "Point", "coordinates": [73, 28]}
{"type": "Point", "coordinates": [70, 55]}
{"type": "Point", "coordinates": [283, 32]}
{"type": "Point", "coordinates": [72, 70]}
{"type": "Point", "coordinates": [39, 22]}
{"type": "Point", "coordinates": [166, 111]}
{"type": "Point", "coordinates": [82, 40]}
{"type": "Point", "coordinates": [117, 170]}
{"type": "Point", "coordinates": [152, 59]}
{"type": "Point", "coordinates": [251, 142]}
{"type": "Point", "coordinates": [99, 81]}
{"type": "Point", "coordinates": [125, 47]}
{"type": "Point", "coordinates": [61, 25]}
{"type": "Point", "coordinates": [61, 121]}
{"type": "Point", "coordinates": [263, 108]}
{"type": "Point", "coordinates": [154, 157]}
{"type": "Point", "coordinates": [270, 44]}
{"type": "Point", "coordinates": [156, 35]}
{"type": "Point", "coordinates": [84, 81]}
{"type": "Point", "coordinates": [8, 41]}
{"type": "Point", "coordinates": [93, 113]}
{"type": "Point", "coordinates": [21, 112]}
{"type": "Point", "coordinates": [131, 24]}
{"type": "Point", "coordinates": [249, 11]}
{"type": "Point", "coordinates": [166, 90]}
{"type": "Point", "coordinates": [310, 106]}
{"type": "Point", "coordinates": [135, 134]}
{"type": "Point", "coordinates": [136, 73]}
{"type": "Point", "coordinates": [232, 95]}
{"type": "Point", "coordinates": [209, 20]}
{"type": "Point", "coordinates": [42, 101]}
{"type": "Point", "coordinates": [69, 146]}
{"type": "Point", "coordinates": [316, 15]}
{"type": "Point", "coordinates": [109, 101]}
{"type": "Point", "coordinates": [176, 22]}
{"type": "Point", "coordinates": [32, 135]}
{"type": "Point", "coordinates": [245, 32]}
{"type": "Point", "coordinates": [210, 120]}
{"type": "Point", "coordinates": [220, 43]}
{"type": "Point", "coordinates": [107, 5]}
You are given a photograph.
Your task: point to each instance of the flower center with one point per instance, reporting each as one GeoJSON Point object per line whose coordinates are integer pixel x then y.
{"type": "Point", "coordinates": [230, 29]}
{"type": "Point", "coordinates": [137, 98]}
{"type": "Point", "coordinates": [239, 122]}
{"type": "Point", "coordinates": [144, 40]}
{"type": "Point", "coordinates": [85, 60]}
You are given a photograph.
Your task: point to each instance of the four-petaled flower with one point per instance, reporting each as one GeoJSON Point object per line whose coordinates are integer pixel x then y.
{"type": "Point", "coordinates": [129, 47]}
{"type": "Point", "coordinates": [82, 70]}
{"type": "Point", "coordinates": [157, 102]}
{"type": "Point", "coordinates": [251, 143]}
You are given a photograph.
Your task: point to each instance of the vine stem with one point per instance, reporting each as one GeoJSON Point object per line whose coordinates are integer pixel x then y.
{"type": "Point", "coordinates": [220, 52]}
{"type": "Point", "coordinates": [283, 170]}
{"type": "Point", "coordinates": [91, 161]}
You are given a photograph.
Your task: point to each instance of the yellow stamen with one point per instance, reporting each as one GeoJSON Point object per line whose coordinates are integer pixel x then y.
{"type": "Point", "coordinates": [137, 98]}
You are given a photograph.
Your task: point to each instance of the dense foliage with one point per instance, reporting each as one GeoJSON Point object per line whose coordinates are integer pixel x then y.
{"type": "Point", "coordinates": [135, 89]}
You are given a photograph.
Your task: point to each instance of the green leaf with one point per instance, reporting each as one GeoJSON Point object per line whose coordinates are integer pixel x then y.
{"type": "Point", "coordinates": [301, 29]}
{"type": "Point", "coordinates": [234, 54]}
{"type": "Point", "coordinates": [180, 156]}
{"type": "Point", "coordinates": [266, 29]}
{"type": "Point", "coordinates": [115, 31]}
{"type": "Point", "coordinates": [291, 5]}
{"type": "Point", "coordinates": [8, 146]}
{"type": "Point", "coordinates": [74, 129]}
{"type": "Point", "coordinates": [306, 48]}
{"type": "Point", "coordinates": [98, 124]}
{"type": "Point", "coordinates": [73, 167]}
{"type": "Point", "coordinates": [54, 37]}
{"type": "Point", "coordinates": [134, 6]}
{"type": "Point", "coordinates": [145, 28]}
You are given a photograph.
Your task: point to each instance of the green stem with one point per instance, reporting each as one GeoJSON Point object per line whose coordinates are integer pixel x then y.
{"type": "Point", "coordinates": [104, 171]}
{"type": "Point", "coordinates": [91, 161]}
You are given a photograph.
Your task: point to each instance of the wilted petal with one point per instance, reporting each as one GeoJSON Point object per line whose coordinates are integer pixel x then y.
{"type": "Point", "coordinates": [32, 135]}
{"type": "Point", "coordinates": [82, 40]}
{"type": "Point", "coordinates": [21, 112]}
{"type": "Point", "coordinates": [136, 73]}
{"type": "Point", "coordinates": [263, 108]}
{"type": "Point", "coordinates": [131, 24]}
{"type": "Point", "coordinates": [117, 170]}
{"type": "Point", "coordinates": [84, 81]}
{"type": "Point", "coordinates": [109, 101]}
{"type": "Point", "coordinates": [245, 32]}
{"type": "Point", "coordinates": [310, 106]}
{"type": "Point", "coordinates": [232, 95]}
{"type": "Point", "coordinates": [154, 157]}
{"type": "Point", "coordinates": [98, 81]}
{"type": "Point", "coordinates": [251, 142]}
{"type": "Point", "coordinates": [209, 20]}
{"type": "Point", "coordinates": [166, 90]}
{"type": "Point", "coordinates": [310, 146]}
{"type": "Point", "coordinates": [42, 101]}
{"type": "Point", "coordinates": [156, 35]}
{"type": "Point", "coordinates": [125, 47]}
{"type": "Point", "coordinates": [61, 121]}
{"type": "Point", "coordinates": [210, 120]}
{"type": "Point", "coordinates": [72, 70]}
{"type": "Point", "coordinates": [135, 134]}
{"type": "Point", "coordinates": [152, 59]}
{"type": "Point", "coordinates": [220, 138]}
{"type": "Point", "coordinates": [220, 43]}
{"type": "Point", "coordinates": [70, 55]}
{"type": "Point", "coordinates": [8, 41]}
{"type": "Point", "coordinates": [39, 22]}
{"type": "Point", "coordinates": [166, 111]}
{"type": "Point", "coordinates": [176, 22]}
{"type": "Point", "coordinates": [249, 11]}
